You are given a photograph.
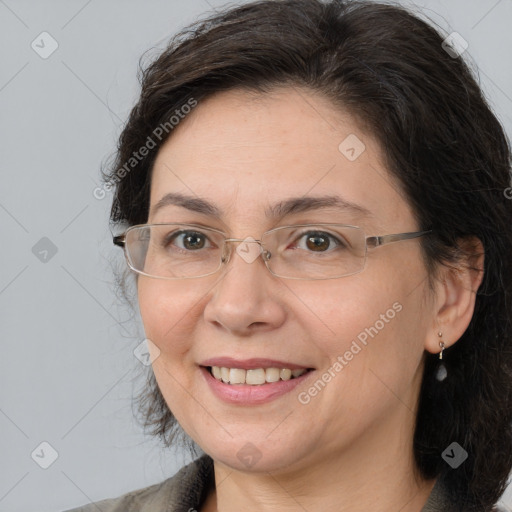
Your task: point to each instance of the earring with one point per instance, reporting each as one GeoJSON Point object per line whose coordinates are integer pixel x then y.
{"type": "Point", "coordinates": [441, 373]}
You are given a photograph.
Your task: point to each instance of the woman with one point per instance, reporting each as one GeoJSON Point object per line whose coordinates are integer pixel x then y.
{"type": "Point", "coordinates": [274, 149]}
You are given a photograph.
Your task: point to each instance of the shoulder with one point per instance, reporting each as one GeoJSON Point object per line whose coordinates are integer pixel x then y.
{"type": "Point", "coordinates": [185, 489]}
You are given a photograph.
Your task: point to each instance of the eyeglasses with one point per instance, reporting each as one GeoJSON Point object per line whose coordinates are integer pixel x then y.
{"type": "Point", "coordinates": [301, 251]}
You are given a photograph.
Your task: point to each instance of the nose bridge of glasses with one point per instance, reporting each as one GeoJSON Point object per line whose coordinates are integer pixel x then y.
{"type": "Point", "coordinates": [246, 252]}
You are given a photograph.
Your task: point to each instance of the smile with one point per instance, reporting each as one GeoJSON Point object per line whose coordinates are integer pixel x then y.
{"type": "Point", "coordinates": [254, 376]}
{"type": "Point", "coordinates": [253, 386]}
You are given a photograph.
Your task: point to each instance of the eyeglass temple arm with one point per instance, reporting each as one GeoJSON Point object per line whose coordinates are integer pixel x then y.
{"type": "Point", "coordinates": [375, 241]}
{"type": "Point", "coordinates": [118, 240]}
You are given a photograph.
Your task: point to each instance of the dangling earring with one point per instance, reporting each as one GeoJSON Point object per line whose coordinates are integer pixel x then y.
{"type": "Point", "coordinates": [441, 373]}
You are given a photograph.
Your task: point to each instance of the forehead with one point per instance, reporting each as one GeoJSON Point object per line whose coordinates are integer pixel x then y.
{"type": "Point", "coordinates": [247, 152]}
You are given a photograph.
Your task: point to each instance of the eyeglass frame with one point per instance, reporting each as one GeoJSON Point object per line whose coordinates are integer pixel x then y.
{"type": "Point", "coordinates": [371, 242]}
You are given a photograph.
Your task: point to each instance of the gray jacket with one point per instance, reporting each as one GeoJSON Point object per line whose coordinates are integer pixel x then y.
{"type": "Point", "coordinates": [187, 490]}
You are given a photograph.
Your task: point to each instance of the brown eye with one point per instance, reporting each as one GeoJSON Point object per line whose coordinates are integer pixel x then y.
{"type": "Point", "coordinates": [190, 240]}
{"type": "Point", "coordinates": [318, 242]}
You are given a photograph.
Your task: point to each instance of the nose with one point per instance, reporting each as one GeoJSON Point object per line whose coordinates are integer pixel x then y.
{"type": "Point", "coordinates": [246, 297]}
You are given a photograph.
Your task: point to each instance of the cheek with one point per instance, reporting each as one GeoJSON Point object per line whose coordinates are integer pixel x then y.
{"type": "Point", "coordinates": [372, 322]}
{"type": "Point", "coordinates": [169, 313]}
{"type": "Point", "coordinates": [345, 310]}
{"type": "Point", "coordinates": [372, 356]}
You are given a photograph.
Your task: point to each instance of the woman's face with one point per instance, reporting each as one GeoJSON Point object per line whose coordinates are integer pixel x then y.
{"type": "Point", "coordinates": [362, 335]}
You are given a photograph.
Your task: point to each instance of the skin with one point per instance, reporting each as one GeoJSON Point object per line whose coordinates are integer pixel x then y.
{"type": "Point", "coordinates": [350, 447]}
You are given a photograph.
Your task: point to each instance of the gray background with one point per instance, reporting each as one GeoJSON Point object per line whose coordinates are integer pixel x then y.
{"type": "Point", "coordinates": [67, 368]}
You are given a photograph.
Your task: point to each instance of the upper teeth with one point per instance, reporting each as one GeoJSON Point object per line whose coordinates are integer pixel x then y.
{"type": "Point", "coordinates": [254, 376]}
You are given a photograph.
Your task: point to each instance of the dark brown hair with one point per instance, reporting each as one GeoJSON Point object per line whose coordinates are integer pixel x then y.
{"type": "Point", "coordinates": [442, 143]}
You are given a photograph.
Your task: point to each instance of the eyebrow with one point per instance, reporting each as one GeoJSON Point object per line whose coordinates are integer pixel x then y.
{"type": "Point", "coordinates": [278, 210]}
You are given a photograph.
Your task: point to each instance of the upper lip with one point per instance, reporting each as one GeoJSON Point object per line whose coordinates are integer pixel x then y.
{"type": "Point", "coordinates": [248, 364]}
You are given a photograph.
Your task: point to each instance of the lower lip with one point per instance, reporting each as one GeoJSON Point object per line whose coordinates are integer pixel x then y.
{"type": "Point", "coordinates": [246, 394]}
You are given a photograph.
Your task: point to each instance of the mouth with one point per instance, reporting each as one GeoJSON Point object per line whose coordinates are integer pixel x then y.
{"type": "Point", "coordinates": [253, 381]}
{"type": "Point", "coordinates": [255, 376]}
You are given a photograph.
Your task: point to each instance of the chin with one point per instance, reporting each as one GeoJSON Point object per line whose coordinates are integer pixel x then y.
{"type": "Point", "coordinates": [256, 456]}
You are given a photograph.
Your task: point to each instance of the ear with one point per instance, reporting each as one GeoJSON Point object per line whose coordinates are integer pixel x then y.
{"type": "Point", "coordinates": [455, 297]}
